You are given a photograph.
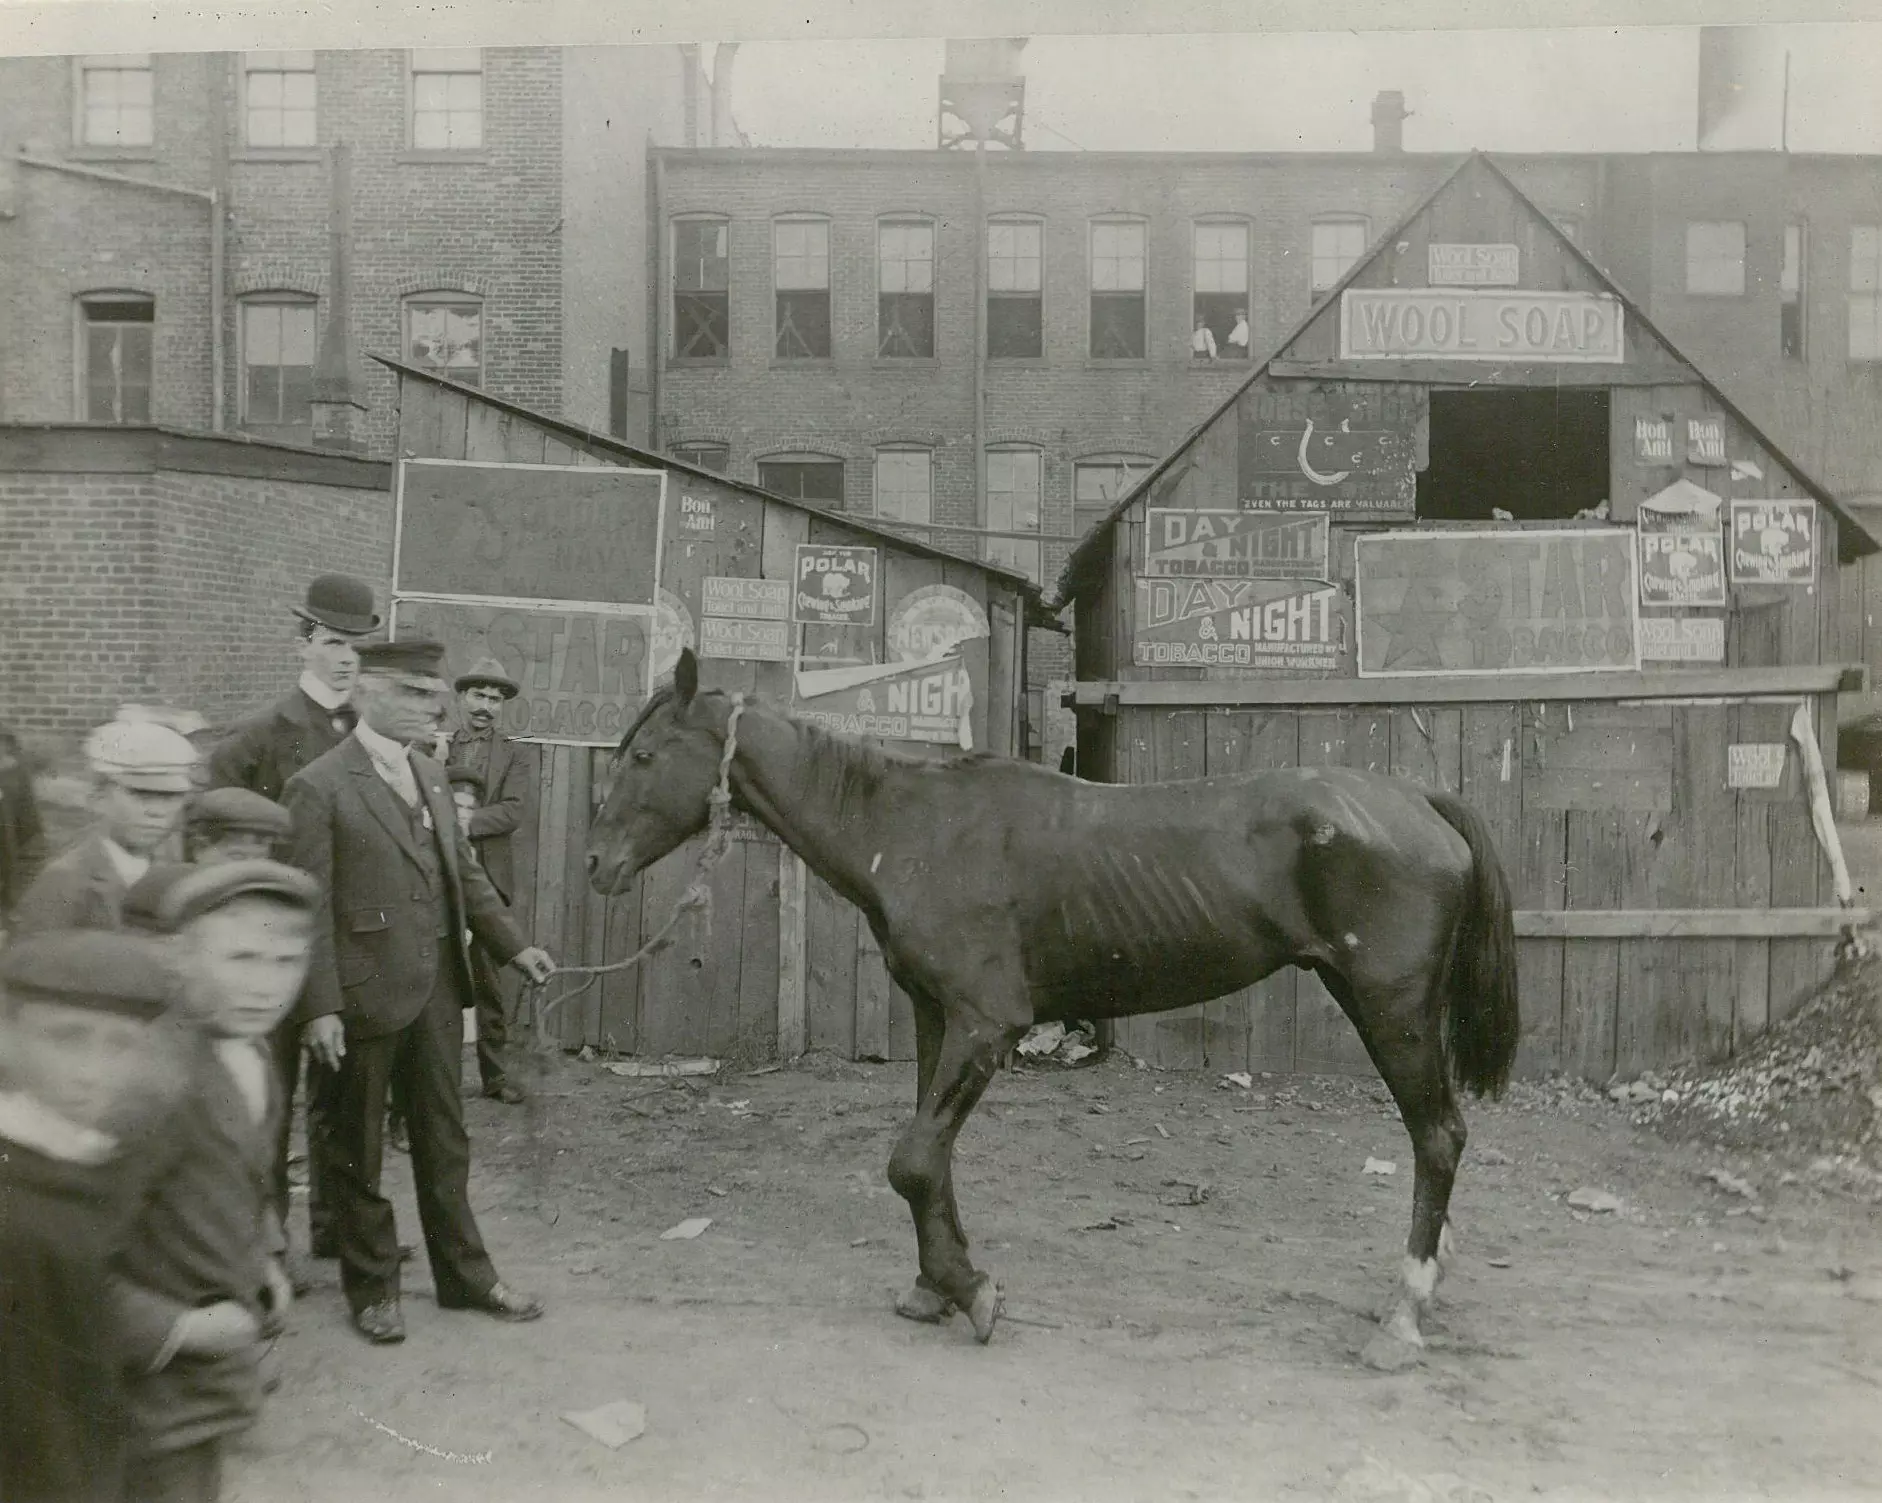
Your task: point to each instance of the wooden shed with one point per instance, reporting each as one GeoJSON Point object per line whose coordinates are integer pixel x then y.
{"type": "Point", "coordinates": [1478, 523]}
{"type": "Point", "coordinates": [787, 965]}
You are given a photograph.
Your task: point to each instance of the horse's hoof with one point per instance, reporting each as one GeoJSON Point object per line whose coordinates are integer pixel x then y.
{"type": "Point", "coordinates": [925, 1304]}
{"type": "Point", "coordinates": [1388, 1353]}
{"type": "Point", "coordinates": [985, 1309]}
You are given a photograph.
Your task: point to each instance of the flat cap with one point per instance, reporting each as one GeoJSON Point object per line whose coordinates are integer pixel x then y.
{"type": "Point", "coordinates": [100, 970]}
{"type": "Point", "coordinates": [488, 672]}
{"type": "Point", "coordinates": [169, 895]}
{"type": "Point", "coordinates": [237, 809]}
{"type": "Point", "coordinates": [464, 777]}
{"type": "Point", "coordinates": [143, 755]}
{"type": "Point", "coordinates": [412, 655]}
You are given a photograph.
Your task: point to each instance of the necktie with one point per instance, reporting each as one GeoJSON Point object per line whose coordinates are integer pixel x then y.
{"type": "Point", "coordinates": [343, 720]}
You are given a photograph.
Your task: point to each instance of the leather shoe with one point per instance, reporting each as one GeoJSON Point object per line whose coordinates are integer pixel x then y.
{"type": "Point", "coordinates": [381, 1324]}
{"type": "Point", "coordinates": [500, 1301]}
{"type": "Point", "coordinates": [503, 1091]}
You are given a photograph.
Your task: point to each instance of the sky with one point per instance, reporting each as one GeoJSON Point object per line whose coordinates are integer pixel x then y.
{"type": "Point", "coordinates": [1583, 89]}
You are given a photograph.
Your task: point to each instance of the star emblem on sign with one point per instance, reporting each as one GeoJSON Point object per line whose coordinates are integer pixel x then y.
{"type": "Point", "coordinates": [1415, 627]}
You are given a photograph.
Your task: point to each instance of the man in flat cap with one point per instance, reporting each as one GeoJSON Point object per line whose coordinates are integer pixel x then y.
{"type": "Point", "coordinates": [477, 746]}
{"type": "Point", "coordinates": [260, 754]}
{"type": "Point", "coordinates": [374, 824]}
{"type": "Point", "coordinates": [141, 774]}
{"type": "Point", "coordinates": [232, 824]}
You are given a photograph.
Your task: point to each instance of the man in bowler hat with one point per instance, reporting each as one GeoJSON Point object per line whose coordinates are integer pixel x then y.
{"type": "Point", "coordinates": [477, 746]}
{"type": "Point", "coordinates": [375, 825]}
{"type": "Point", "coordinates": [260, 754]}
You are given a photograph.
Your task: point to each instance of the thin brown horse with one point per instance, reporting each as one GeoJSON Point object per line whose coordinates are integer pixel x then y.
{"type": "Point", "coordinates": [1005, 895]}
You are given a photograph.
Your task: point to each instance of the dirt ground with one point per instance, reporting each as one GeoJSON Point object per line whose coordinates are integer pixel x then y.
{"type": "Point", "coordinates": [1694, 1343]}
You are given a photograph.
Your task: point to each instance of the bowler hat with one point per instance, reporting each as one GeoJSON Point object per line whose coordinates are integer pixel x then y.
{"type": "Point", "coordinates": [96, 969]}
{"type": "Point", "coordinates": [340, 603]}
{"type": "Point", "coordinates": [409, 655]}
{"type": "Point", "coordinates": [170, 894]}
{"type": "Point", "coordinates": [487, 671]}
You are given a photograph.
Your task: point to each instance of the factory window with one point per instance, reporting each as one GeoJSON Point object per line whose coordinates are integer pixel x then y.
{"type": "Point", "coordinates": [277, 343]}
{"type": "Point", "coordinates": [905, 289]}
{"type": "Point", "coordinates": [1865, 292]}
{"type": "Point", "coordinates": [447, 98]}
{"type": "Point", "coordinates": [1790, 294]}
{"type": "Point", "coordinates": [115, 100]}
{"type": "Point", "coordinates": [444, 334]}
{"type": "Point", "coordinates": [800, 260]}
{"type": "Point", "coordinates": [114, 357]}
{"type": "Point", "coordinates": [1117, 289]}
{"type": "Point", "coordinates": [1715, 258]}
{"type": "Point", "coordinates": [1337, 241]}
{"type": "Point", "coordinates": [1219, 315]}
{"type": "Point", "coordinates": [702, 290]}
{"type": "Point", "coordinates": [1015, 307]}
{"type": "Point", "coordinates": [817, 478]}
{"type": "Point", "coordinates": [1013, 505]}
{"type": "Point", "coordinates": [1100, 482]}
{"type": "Point", "coordinates": [707, 455]}
{"type": "Point", "coordinates": [278, 99]}
{"type": "Point", "coordinates": [904, 485]}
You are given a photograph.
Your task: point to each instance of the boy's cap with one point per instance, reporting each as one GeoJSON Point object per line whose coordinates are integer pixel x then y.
{"type": "Point", "coordinates": [97, 969]}
{"type": "Point", "coordinates": [464, 777]}
{"type": "Point", "coordinates": [143, 755]}
{"type": "Point", "coordinates": [222, 810]}
{"type": "Point", "coordinates": [168, 896]}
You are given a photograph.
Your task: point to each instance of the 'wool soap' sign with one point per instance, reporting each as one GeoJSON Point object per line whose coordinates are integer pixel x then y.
{"type": "Point", "coordinates": [1424, 323]}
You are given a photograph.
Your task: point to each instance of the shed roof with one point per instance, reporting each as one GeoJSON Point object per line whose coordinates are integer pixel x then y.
{"type": "Point", "coordinates": [576, 434]}
{"type": "Point", "coordinates": [1853, 539]}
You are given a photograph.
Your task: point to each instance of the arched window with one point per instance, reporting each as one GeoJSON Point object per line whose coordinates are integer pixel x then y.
{"type": "Point", "coordinates": [444, 334]}
{"type": "Point", "coordinates": [817, 478]}
{"type": "Point", "coordinates": [800, 276]}
{"type": "Point", "coordinates": [904, 484]}
{"type": "Point", "coordinates": [702, 288]}
{"type": "Point", "coordinates": [276, 339]}
{"type": "Point", "coordinates": [1015, 300]}
{"type": "Point", "coordinates": [1219, 299]}
{"type": "Point", "coordinates": [708, 454]}
{"type": "Point", "coordinates": [905, 289]}
{"type": "Point", "coordinates": [1015, 502]}
{"type": "Point", "coordinates": [1118, 262]}
{"type": "Point", "coordinates": [115, 348]}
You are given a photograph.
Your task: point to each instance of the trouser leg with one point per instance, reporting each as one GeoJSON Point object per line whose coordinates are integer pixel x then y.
{"type": "Point", "coordinates": [493, 1031]}
{"type": "Point", "coordinates": [284, 1047]}
{"type": "Point", "coordinates": [362, 1215]}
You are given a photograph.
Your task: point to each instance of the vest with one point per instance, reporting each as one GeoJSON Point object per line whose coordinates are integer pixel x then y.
{"type": "Point", "coordinates": [431, 865]}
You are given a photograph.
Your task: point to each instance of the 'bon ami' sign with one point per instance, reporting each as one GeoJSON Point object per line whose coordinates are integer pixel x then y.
{"type": "Point", "coordinates": [1422, 323]}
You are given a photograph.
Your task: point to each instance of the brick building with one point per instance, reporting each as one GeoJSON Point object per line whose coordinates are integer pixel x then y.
{"type": "Point", "coordinates": [821, 311]}
{"type": "Point", "coordinates": [491, 193]}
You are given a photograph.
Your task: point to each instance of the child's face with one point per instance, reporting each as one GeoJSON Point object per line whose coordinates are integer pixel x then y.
{"type": "Point", "coordinates": [84, 1065]}
{"type": "Point", "coordinates": [234, 845]}
{"type": "Point", "coordinates": [135, 818]}
{"type": "Point", "coordinates": [465, 799]}
{"type": "Point", "coordinates": [245, 962]}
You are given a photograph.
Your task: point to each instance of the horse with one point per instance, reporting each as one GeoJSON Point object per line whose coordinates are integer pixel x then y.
{"type": "Point", "coordinates": [1004, 894]}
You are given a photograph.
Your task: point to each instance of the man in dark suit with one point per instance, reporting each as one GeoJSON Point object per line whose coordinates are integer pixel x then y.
{"type": "Point", "coordinates": [477, 746]}
{"type": "Point", "coordinates": [260, 754]}
{"type": "Point", "coordinates": [374, 824]}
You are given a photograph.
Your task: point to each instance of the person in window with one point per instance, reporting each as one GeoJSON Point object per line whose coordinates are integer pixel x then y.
{"type": "Point", "coordinates": [1202, 342]}
{"type": "Point", "coordinates": [1238, 336]}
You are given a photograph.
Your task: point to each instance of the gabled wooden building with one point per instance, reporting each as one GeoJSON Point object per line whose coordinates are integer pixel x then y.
{"type": "Point", "coordinates": [1478, 523]}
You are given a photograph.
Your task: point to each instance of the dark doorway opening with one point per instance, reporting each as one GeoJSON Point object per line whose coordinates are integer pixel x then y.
{"type": "Point", "coordinates": [1538, 455]}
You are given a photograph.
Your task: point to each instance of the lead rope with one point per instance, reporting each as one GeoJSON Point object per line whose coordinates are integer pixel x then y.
{"type": "Point", "coordinates": [697, 898]}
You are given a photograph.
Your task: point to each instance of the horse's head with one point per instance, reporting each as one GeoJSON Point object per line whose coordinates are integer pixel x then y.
{"type": "Point", "coordinates": [659, 781]}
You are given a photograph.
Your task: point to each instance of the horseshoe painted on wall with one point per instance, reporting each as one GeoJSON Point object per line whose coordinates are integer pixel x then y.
{"type": "Point", "coordinates": [1309, 471]}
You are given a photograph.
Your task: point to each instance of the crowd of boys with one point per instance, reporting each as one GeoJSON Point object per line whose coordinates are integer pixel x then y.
{"type": "Point", "coordinates": [317, 892]}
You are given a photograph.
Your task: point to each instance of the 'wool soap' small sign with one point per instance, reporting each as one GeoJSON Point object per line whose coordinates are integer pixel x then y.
{"type": "Point", "coordinates": [1754, 764]}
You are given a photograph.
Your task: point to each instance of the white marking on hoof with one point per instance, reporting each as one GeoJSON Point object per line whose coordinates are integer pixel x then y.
{"type": "Point", "coordinates": [876, 863]}
{"type": "Point", "coordinates": [1402, 1325]}
{"type": "Point", "coordinates": [1447, 1246]}
{"type": "Point", "coordinates": [1420, 1276]}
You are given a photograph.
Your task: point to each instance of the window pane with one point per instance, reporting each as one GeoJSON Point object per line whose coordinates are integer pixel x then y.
{"type": "Point", "coordinates": [297, 334]}
{"type": "Point", "coordinates": [264, 91]}
{"type": "Point", "coordinates": [701, 325]}
{"type": "Point", "coordinates": [699, 255]}
{"type": "Point", "coordinates": [297, 91]}
{"type": "Point", "coordinates": [447, 338]}
{"type": "Point", "coordinates": [802, 254]}
{"type": "Point", "coordinates": [902, 486]}
{"type": "Point", "coordinates": [1337, 244]}
{"type": "Point", "coordinates": [905, 258]}
{"type": "Point", "coordinates": [430, 92]}
{"type": "Point", "coordinates": [1013, 254]}
{"type": "Point", "coordinates": [819, 480]}
{"type": "Point", "coordinates": [261, 335]}
{"type": "Point", "coordinates": [1015, 327]}
{"type": "Point", "coordinates": [714, 457]}
{"type": "Point", "coordinates": [803, 328]}
{"type": "Point", "coordinates": [1117, 326]}
{"type": "Point", "coordinates": [1117, 257]}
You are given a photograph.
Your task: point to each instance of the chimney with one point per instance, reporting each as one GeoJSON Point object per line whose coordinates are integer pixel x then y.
{"type": "Point", "coordinates": [336, 403]}
{"type": "Point", "coordinates": [1388, 122]}
{"type": "Point", "coordinates": [724, 131]}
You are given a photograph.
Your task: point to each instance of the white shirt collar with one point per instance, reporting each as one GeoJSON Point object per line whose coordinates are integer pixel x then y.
{"type": "Point", "coordinates": [324, 695]}
{"type": "Point", "coordinates": [383, 748]}
{"type": "Point", "coordinates": [129, 867]}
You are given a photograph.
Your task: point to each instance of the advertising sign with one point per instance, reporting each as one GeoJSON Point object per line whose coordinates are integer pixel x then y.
{"type": "Point", "coordinates": [1290, 626]}
{"type": "Point", "coordinates": [834, 586]}
{"type": "Point", "coordinates": [746, 599]}
{"type": "Point", "coordinates": [931, 620]}
{"type": "Point", "coordinates": [696, 514]}
{"type": "Point", "coordinates": [1472, 265]}
{"type": "Point", "coordinates": [929, 700]}
{"type": "Point", "coordinates": [1682, 553]}
{"type": "Point", "coordinates": [1309, 449]}
{"type": "Point", "coordinates": [1234, 544]}
{"type": "Point", "coordinates": [583, 675]}
{"type": "Point", "coordinates": [1705, 441]}
{"type": "Point", "coordinates": [1496, 602]}
{"type": "Point", "coordinates": [588, 534]}
{"type": "Point", "coordinates": [1774, 542]}
{"type": "Point", "coordinates": [1755, 764]}
{"type": "Point", "coordinates": [758, 641]}
{"type": "Point", "coordinates": [1682, 639]}
{"type": "Point", "coordinates": [1423, 323]}
{"type": "Point", "coordinates": [1653, 440]}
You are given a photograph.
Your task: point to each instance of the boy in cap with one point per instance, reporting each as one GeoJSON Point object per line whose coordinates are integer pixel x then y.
{"type": "Point", "coordinates": [493, 1026]}
{"type": "Point", "coordinates": [232, 824]}
{"type": "Point", "coordinates": [203, 1235]}
{"type": "Point", "coordinates": [141, 774]}
{"type": "Point", "coordinates": [77, 1015]}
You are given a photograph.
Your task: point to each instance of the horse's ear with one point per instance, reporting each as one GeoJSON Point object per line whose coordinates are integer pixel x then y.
{"type": "Point", "coordinates": [686, 677]}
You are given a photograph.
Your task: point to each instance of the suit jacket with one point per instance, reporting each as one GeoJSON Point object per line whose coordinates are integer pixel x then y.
{"type": "Point", "coordinates": [22, 837]}
{"type": "Point", "coordinates": [201, 1231]}
{"type": "Point", "coordinates": [376, 944]}
{"type": "Point", "coordinates": [79, 889]}
{"type": "Point", "coordinates": [505, 785]}
{"type": "Point", "coordinates": [262, 752]}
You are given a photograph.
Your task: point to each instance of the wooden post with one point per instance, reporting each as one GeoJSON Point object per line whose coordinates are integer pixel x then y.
{"type": "Point", "coordinates": [792, 883]}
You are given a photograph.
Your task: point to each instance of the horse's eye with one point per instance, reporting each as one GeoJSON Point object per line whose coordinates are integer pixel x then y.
{"type": "Point", "coordinates": [643, 757]}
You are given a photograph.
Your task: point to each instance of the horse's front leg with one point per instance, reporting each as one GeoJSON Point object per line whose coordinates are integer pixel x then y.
{"type": "Point", "coordinates": [923, 1301]}
{"type": "Point", "coordinates": [921, 1168]}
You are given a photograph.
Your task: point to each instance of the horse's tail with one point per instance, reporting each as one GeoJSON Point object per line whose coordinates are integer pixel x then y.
{"type": "Point", "coordinates": [1482, 1019]}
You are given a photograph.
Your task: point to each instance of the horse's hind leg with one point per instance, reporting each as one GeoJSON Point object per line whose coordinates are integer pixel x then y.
{"type": "Point", "coordinates": [924, 1302]}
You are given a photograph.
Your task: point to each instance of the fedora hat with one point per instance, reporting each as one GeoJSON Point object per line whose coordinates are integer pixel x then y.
{"type": "Point", "coordinates": [487, 671]}
{"type": "Point", "coordinates": [340, 603]}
